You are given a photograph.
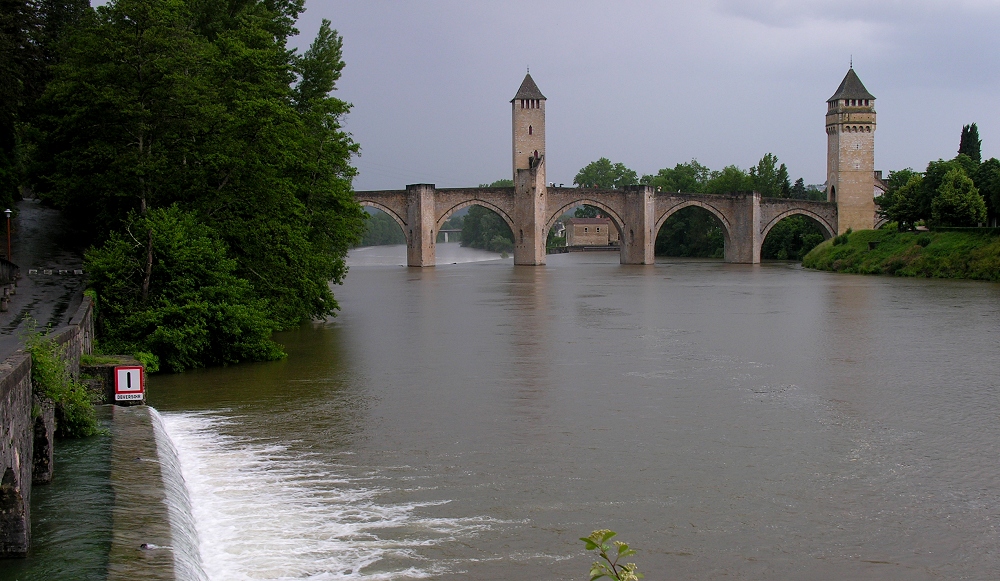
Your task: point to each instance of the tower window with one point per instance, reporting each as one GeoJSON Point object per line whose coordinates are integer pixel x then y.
{"type": "Point", "coordinates": [529, 129]}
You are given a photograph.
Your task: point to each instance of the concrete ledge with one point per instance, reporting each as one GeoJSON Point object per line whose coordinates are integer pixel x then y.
{"type": "Point", "coordinates": [141, 544]}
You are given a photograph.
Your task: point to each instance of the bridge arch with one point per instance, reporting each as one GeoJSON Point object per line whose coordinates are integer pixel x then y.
{"type": "Point", "coordinates": [475, 202]}
{"type": "Point", "coordinates": [829, 230]}
{"type": "Point", "coordinates": [392, 213]}
{"type": "Point", "coordinates": [723, 220]}
{"type": "Point", "coordinates": [613, 214]}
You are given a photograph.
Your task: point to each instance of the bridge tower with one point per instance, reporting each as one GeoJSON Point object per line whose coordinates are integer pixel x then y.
{"type": "Point", "coordinates": [850, 158]}
{"type": "Point", "coordinates": [528, 115]}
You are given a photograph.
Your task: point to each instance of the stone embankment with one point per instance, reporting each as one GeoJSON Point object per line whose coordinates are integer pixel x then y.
{"type": "Point", "coordinates": [141, 546]}
{"type": "Point", "coordinates": [27, 430]}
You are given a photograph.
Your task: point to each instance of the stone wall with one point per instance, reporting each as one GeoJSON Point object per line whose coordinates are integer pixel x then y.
{"type": "Point", "coordinates": [27, 430]}
{"type": "Point", "coordinates": [16, 455]}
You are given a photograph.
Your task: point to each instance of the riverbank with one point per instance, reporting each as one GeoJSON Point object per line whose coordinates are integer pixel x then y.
{"type": "Point", "coordinates": [974, 254]}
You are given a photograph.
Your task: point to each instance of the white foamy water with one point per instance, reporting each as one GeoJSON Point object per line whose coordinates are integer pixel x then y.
{"type": "Point", "coordinates": [264, 512]}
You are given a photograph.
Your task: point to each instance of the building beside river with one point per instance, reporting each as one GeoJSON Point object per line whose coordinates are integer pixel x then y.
{"type": "Point", "coordinates": [591, 232]}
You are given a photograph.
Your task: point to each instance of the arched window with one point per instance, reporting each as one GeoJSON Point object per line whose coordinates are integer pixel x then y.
{"type": "Point", "coordinates": [529, 129]}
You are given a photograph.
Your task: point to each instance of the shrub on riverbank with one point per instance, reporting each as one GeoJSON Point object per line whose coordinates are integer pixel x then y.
{"type": "Point", "coordinates": [954, 254]}
{"type": "Point", "coordinates": [50, 379]}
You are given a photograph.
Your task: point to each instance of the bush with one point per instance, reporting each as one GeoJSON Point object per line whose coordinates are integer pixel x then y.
{"type": "Point", "coordinates": [195, 311]}
{"type": "Point", "coordinates": [50, 379]}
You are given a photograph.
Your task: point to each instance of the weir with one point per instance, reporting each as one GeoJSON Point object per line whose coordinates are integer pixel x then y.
{"type": "Point", "coordinates": [153, 531]}
{"type": "Point", "coordinates": [153, 534]}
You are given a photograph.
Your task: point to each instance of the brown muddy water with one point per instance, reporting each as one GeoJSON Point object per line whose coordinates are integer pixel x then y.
{"type": "Point", "coordinates": [471, 421]}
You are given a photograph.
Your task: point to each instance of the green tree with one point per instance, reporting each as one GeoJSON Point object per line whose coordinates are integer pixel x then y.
{"type": "Point", "coordinates": [689, 177]}
{"type": "Point", "coordinates": [202, 104]}
{"type": "Point", "coordinates": [197, 312]}
{"type": "Point", "coordinates": [769, 178]}
{"type": "Point", "coordinates": [970, 144]}
{"type": "Point", "coordinates": [895, 207]}
{"type": "Point", "coordinates": [933, 178]}
{"type": "Point", "coordinates": [731, 179]}
{"type": "Point", "coordinates": [958, 202]}
{"type": "Point", "coordinates": [905, 204]}
{"type": "Point", "coordinates": [485, 229]}
{"type": "Point", "coordinates": [586, 211]}
{"type": "Point", "coordinates": [502, 183]}
{"type": "Point", "coordinates": [382, 230]}
{"type": "Point", "coordinates": [798, 191]}
{"type": "Point", "coordinates": [605, 175]}
{"type": "Point", "coordinates": [987, 180]}
{"type": "Point", "coordinates": [791, 239]}
{"type": "Point", "coordinates": [690, 232]}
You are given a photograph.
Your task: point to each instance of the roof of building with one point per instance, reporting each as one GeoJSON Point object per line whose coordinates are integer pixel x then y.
{"type": "Point", "coordinates": [588, 221]}
{"type": "Point", "coordinates": [528, 90]}
{"type": "Point", "coordinates": [851, 88]}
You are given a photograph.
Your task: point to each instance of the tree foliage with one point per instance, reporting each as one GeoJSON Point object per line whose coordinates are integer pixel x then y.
{"type": "Point", "coordinates": [483, 228]}
{"type": "Point", "coordinates": [901, 203]}
{"type": "Point", "coordinates": [729, 180]}
{"type": "Point", "coordinates": [605, 175]}
{"type": "Point", "coordinates": [791, 239]}
{"type": "Point", "coordinates": [987, 180]}
{"type": "Point", "coordinates": [957, 202]}
{"type": "Point", "coordinates": [689, 177]}
{"type": "Point", "coordinates": [197, 310]}
{"type": "Point", "coordinates": [201, 104]}
{"type": "Point", "coordinates": [970, 144]}
{"type": "Point", "coordinates": [690, 232]}
{"type": "Point", "coordinates": [382, 230]}
{"type": "Point", "coordinates": [770, 178]}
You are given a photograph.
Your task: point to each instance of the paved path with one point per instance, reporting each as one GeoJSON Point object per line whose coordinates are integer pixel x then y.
{"type": "Point", "coordinates": [52, 278]}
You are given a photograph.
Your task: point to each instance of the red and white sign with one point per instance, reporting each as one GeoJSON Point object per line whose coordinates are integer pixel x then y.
{"type": "Point", "coordinates": [128, 384]}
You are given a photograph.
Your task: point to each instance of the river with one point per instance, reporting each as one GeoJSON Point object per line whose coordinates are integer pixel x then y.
{"type": "Point", "coordinates": [471, 421]}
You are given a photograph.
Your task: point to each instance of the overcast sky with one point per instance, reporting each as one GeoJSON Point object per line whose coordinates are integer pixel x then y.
{"type": "Point", "coordinates": [651, 84]}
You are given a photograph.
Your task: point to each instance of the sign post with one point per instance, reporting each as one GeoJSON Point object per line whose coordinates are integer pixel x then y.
{"type": "Point", "coordinates": [129, 386]}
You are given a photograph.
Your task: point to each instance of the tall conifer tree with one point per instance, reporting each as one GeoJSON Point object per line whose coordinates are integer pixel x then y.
{"type": "Point", "coordinates": [970, 144]}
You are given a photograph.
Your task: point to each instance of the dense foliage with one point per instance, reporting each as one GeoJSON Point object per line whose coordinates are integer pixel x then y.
{"type": "Point", "coordinates": [695, 232]}
{"type": "Point", "coordinates": [195, 115]}
{"type": "Point", "coordinates": [966, 254]}
{"type": "Point", "coordinates": [957, 192]}
{"type": "Point", "coordinates": [605, 175]}
{"type": "Point", "coordinates": [484, 228]}
{"type": "Point", "coordinates": [382, 230]}
{"type": "Point", "coordinates": [31, 34]}
{"type": "Point", "coordinates": [196, 311]}
{"type": "Point", "coordinates": [690, 232]}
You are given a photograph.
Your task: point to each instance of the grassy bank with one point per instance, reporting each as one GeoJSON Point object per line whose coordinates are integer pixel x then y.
{"type": "Point", "coordinates": [973, 255]}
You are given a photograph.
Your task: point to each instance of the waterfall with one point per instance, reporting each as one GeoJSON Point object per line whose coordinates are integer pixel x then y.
{"type": "Point", "coordinates": [187, 555]}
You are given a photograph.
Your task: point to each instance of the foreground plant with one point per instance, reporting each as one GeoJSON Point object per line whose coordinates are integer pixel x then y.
{"type": "Point", "coordinates": [611, 553]}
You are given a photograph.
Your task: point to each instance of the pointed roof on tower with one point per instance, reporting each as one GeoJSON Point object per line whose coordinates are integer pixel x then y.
{"type": "Point", "coordinates": [528, 90]}
{"type": "Point", "coordinates": [851, 88]}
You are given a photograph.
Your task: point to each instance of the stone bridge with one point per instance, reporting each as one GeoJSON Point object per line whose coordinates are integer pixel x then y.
{"type": "Point", "coordinates": [531, 208]}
